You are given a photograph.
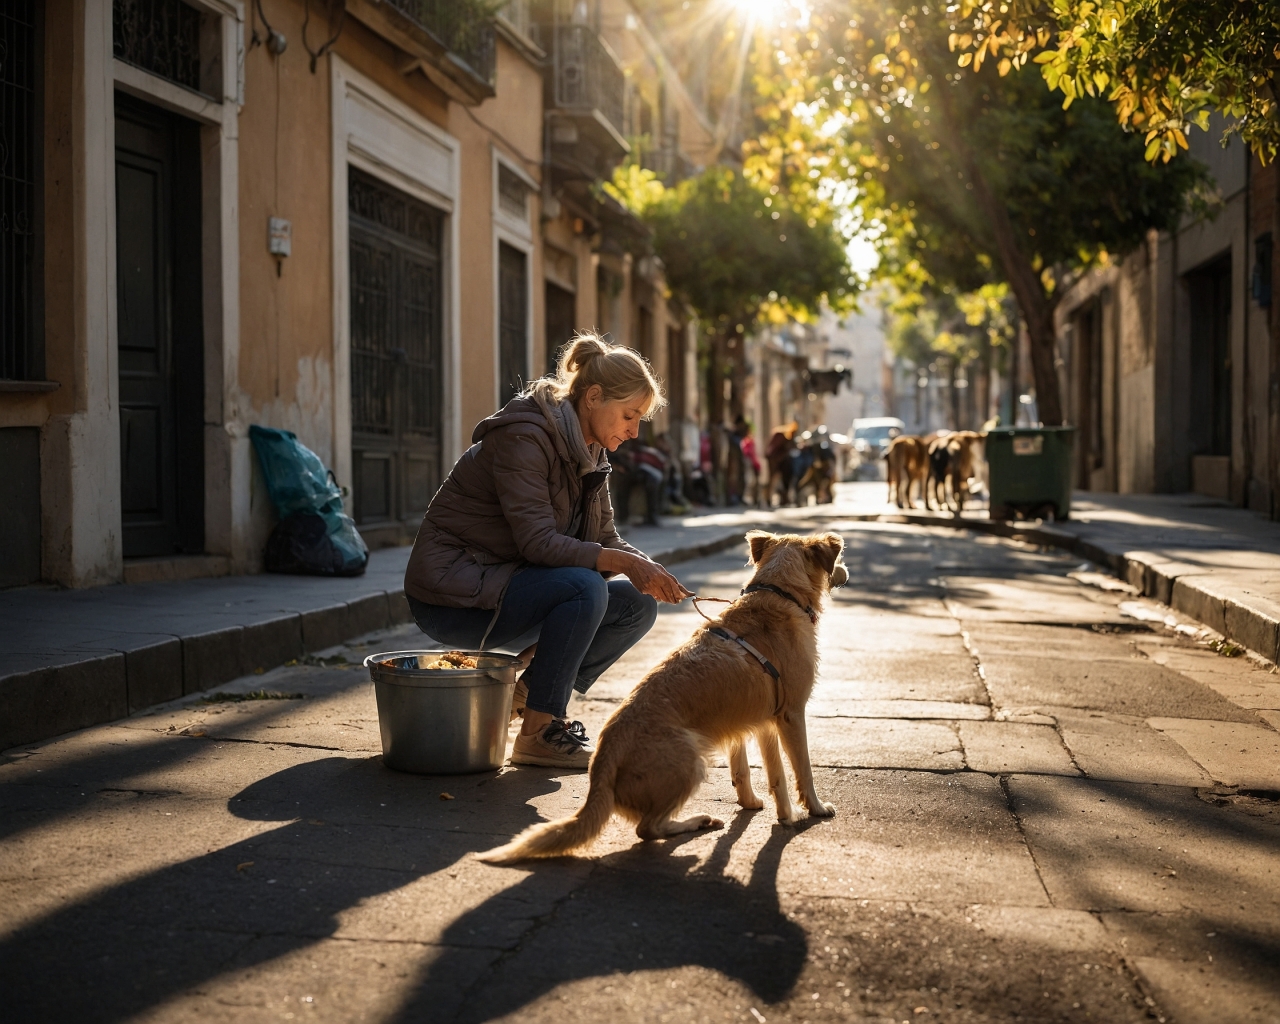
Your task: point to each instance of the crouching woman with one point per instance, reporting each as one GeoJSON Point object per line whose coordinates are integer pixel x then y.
{"type": "Point", "coordinates": [516, 547]}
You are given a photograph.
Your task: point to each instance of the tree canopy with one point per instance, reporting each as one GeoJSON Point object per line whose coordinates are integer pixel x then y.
{"type": "Point", "coordinates": [964, 177]}
{"type": "Point", "coordinates": [1163, 64]}
{"type": "Point", "coordinates": [735, 252]}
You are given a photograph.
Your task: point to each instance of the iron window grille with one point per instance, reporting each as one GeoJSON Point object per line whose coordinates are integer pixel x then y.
{"type": "Point", "coordinates": [159, 36]}
{"type": "Point", "coordinates": [20, 343]}
{"type": "Point", "coordinates": [463, 27]}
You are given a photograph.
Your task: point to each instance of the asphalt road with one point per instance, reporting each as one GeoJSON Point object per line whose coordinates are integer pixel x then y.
{"type": "Point", "coordinates": [1048, 810]}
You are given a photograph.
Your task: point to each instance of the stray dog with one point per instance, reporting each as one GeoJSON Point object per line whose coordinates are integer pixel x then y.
{"type": "Point", "coordinates": [952, 462]}
{"type": "Point", "coordinates": [907, 463]}
{"type": "Point", "coordinates": [748, 672]}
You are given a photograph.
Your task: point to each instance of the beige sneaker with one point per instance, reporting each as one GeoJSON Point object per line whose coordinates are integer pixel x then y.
{"type": "Point", "coordinates": [518, 700]}
{"type": "Point", "coordinates": [559, 745]}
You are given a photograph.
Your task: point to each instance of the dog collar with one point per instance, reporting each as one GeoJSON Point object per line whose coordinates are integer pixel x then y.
{"type": "Point", "coordinates": [807, 609]}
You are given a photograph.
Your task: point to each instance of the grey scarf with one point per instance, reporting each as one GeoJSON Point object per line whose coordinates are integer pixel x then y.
{"type": "Point", "coordinates": [589, 457]}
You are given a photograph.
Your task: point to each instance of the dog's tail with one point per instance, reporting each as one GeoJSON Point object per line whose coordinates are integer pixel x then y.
{"type": "Point", "coordinates": [556, 838]}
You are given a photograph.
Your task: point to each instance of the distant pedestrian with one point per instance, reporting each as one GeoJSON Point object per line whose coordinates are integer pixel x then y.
{"type": "Point", "coordinates": [516, 545]}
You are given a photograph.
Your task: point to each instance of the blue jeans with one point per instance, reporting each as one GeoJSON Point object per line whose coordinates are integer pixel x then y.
{"type": "Point", "coordinates": [581, 622]}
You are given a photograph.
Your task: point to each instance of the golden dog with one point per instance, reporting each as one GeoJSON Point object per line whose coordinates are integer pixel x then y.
{"type": "Point", "coordinates": [907, 463]}
{"type": "Point", "coordinates": [711, 693]}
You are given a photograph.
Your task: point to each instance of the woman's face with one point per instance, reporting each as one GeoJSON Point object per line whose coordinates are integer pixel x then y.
{"type": "Point", "coordinates": [610, 423]}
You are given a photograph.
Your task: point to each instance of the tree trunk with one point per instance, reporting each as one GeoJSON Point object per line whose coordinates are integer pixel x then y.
{"type": "Point", "coordinates": [1273, 375]}
{"type": "Point", "coordinates": [1036, 308]}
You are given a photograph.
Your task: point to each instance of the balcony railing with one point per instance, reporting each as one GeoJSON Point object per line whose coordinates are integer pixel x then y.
{"type": "Point", "coordinates": [463, 27]}
{"type": "Point", "coordinates": [587, 75]}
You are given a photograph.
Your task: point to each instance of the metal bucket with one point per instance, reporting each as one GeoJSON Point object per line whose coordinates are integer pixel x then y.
{"type": "Point", "coordinates": [443, 721]}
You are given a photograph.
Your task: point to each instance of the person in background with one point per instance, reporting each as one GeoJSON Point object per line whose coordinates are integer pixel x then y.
{"type": "Point", "coordinates": [518, 548]}
{"type": "Point", "coordinates": [747, 442]}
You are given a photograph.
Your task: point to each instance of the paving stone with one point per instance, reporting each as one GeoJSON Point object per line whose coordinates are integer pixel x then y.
{"type": "Point", "coordinates": [1120, 748]}
{"type": "Point", "coordinates": [949, 678]}
{"type": "Point", "coordinates": [884, 743]}
{"type": "Point", "coordinates": [1107, 846]}
{"type": "Point", "coordinates": [1042, 599]}
{"type": "Point", "coordinates": [1200, 967]}
{"type": "Point", "coordinates": [1233, 753]}
{"type": "Point", "coordinates": [1204, 993]}
{"type": "Point", "coordinates": [1074, 931]}
{"type": "Point", "coordinates": [1003, 747]}
{"type": "Point", "coordinates": [937, 709]}
{"type": "Point", "coordinates": [1134, 686]}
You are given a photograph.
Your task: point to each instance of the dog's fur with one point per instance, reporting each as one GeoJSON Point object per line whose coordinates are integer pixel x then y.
{"type": "Point", "coordinates": [953, 461]}
{"type": "Point", "coordinates": [710, 693]}
{"type": "Point", "coordinates": [907, 463]}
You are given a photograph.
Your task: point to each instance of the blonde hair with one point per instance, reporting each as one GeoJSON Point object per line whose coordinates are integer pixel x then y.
{"type": "Point", "coordinates": [621, 372]}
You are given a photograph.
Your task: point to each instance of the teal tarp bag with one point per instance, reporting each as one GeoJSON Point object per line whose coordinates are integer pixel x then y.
{"type": "Point", "coordinates": [314, 536]}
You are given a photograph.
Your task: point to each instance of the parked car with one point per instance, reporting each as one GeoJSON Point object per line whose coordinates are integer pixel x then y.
{"type": "Point", "coordinates": [871, 437]}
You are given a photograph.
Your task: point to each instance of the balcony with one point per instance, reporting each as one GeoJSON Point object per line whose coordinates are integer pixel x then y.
{"type": "Point", "coordinates": [586, 97]}
{"type": "Point", "coordinates": [452, 42]}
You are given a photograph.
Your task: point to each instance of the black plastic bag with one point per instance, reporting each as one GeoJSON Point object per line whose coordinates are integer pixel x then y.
{"type": "Point", "coordinates": [302, 543]}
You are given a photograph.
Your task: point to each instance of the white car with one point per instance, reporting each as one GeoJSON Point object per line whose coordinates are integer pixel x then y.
{"type": "Point", "coordinates": [871, 438]}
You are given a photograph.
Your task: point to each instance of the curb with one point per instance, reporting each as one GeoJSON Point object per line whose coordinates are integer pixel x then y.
{"type": "Point", "coordinates": [41, 703]}
{"type": "Point", "coordinates": [1186, 588]}
{"type": "Point", "coordinates": [45, 702]}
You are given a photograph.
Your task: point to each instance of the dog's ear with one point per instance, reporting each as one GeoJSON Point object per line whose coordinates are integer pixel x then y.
{"type": "Point", "coordinates": [825, 549]}
{"type": "Point", "coordinates": [760, 541]}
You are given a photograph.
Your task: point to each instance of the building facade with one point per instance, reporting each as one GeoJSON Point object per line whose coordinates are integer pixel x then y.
{"type": "Point", "coordinates": [366, 222]}
{"type": "Point", "coordinates": [1165, 358]}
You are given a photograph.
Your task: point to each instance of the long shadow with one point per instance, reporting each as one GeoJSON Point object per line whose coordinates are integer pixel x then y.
{"type": "Point", "coordinates": [646, 909]}
{"type": "Point", "coordinates": [30, 799]}
{"type": "Point", "coordinates": [353, 829]}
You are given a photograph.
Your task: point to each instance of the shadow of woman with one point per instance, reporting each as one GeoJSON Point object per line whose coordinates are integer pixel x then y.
{"type": "Point", "coordinates": [352, 829]}
{"type": "Point", "coordinates": [640, 910]}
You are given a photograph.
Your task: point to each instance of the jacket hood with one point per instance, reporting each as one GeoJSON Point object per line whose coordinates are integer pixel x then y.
{"type": "Point", "coordinates": [521, 409]}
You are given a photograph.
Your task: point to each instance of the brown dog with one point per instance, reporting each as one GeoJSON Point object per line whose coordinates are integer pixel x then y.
{"type": "Point", "coordinates": [907, 463]}
{"type": "Point", "coordinates": [712, 692]}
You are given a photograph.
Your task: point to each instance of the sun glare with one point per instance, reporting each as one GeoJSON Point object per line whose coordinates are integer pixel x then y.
{"type": "Point", "coordinates": [756, 11]}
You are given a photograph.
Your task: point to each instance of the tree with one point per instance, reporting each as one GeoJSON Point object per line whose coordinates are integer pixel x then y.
{"type": "Point", "coordinates": [736, 255]}
{"type": "Point", "coordinates": [1164, 65]}
{"type": "Point", "coordinates": [970, 177]}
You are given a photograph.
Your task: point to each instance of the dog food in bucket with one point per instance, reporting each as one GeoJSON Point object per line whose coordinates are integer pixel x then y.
{"type": "Point", "coordinates": [452, 660]}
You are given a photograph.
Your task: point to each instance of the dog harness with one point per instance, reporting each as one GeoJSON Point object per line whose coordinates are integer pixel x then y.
{"type": "Point", "coordinates": [756, 587]}
{"type": "Point", "coordinates": [726, 634]}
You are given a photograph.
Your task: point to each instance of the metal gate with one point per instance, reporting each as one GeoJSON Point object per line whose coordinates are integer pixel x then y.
{"type": "Point", "coordinates": [20, 347]}
{"type": "Point", "coordinates": [396, 357]}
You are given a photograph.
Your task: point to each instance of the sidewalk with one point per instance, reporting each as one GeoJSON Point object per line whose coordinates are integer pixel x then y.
{"type": "Point", "coordinates": [70, 659]}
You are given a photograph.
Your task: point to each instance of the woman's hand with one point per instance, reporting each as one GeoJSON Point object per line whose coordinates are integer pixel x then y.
{"type": "Point", "coordinates": [648, 577]}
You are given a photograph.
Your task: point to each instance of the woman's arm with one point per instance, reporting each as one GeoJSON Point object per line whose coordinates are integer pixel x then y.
{"type": "Point", "coordinates": [647, 576]}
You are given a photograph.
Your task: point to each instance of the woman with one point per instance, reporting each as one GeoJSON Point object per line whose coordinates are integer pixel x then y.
{"type": "Point", "coordinates": [516, 545]}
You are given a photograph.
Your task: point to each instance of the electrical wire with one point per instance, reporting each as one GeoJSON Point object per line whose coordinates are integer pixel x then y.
{"type": "Point", "coordinates": [317, 54]}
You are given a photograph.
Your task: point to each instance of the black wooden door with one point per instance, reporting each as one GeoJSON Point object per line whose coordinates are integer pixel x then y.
{"type": "Point", "coordinates": [1209, 425]}
{"type": "Point", "coordinates": [396, 356]}
{"type": "Point", "coordinates": [160, 342]}
{"type": "Point", "coordinates": [562, 317]}
{"type": "Point", "coordinates": [513, 322]}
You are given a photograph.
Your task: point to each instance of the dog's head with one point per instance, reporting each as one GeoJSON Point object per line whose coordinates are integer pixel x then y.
{"type": "Point", "coordinates": [815, 559]}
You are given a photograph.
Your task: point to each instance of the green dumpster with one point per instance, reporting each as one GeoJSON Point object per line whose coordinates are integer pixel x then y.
{"type": "Point", "coordinates": [1029, 471]}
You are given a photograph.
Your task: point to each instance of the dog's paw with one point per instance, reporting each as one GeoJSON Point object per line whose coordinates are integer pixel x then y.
{"type": "Point", "coordinates": [711, 823]}
{"type": "Point", "coordinates": [750, 803]}
{"type": "Point", "coordinates": [821, 810]}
